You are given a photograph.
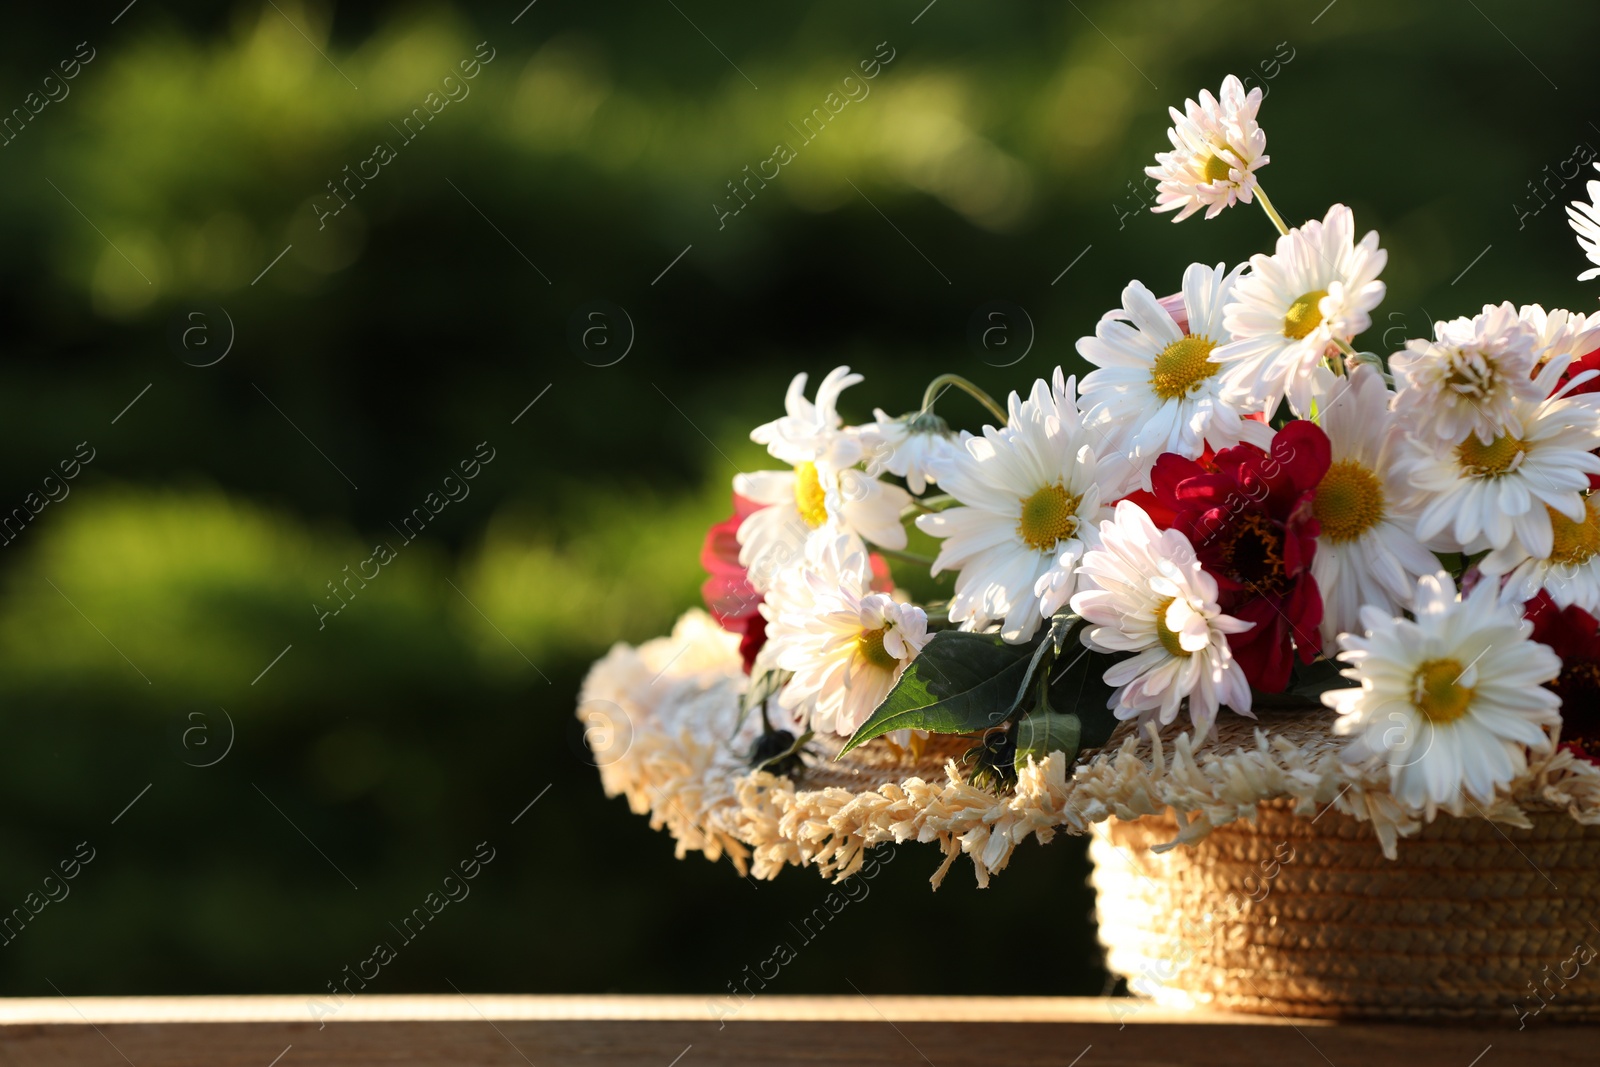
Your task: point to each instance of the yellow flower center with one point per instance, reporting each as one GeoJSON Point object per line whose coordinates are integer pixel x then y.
{"type": "Point", "coordinates": [1437, 692]}
{"type": "Point", "coordinates": [1216, 169]}
{"type": "Point", "coordinates": [869, 646]}
{"type": "Point", "coordinates": [1575, 543]}
{"type": "Point", "coordinates": [809, 496]}
{"type": "Point", "coordinates": [1349, 501]}
{"type": "Point", "coordinates": [1181, 366]}
{"type": "Point", "coordinates": [1048, 516]}
{"type": "Point", "coordinates": [1304, 315]}
{"type": "Point", "coordinates": [1490, 460]}
{"type": "Point", "coordinates": [1167, 636]}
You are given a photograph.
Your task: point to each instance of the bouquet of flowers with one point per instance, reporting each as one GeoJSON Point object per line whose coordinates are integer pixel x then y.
{"type": "Point", "coordinates": [1238, 508]}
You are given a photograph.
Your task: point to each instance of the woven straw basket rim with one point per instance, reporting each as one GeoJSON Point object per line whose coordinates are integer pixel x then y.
{"type": "Point", "coordinates": [1304, 917]}
{"type": "Point", "coordinates": [675, 748]}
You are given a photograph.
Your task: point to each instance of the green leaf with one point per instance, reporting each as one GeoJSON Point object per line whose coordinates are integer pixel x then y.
{"type": "Point", "coordinates": [1079, 686]}
{"type": "Point", "coordinates": [799, 743]}
{"type": "Point", "coordinates": [1049, 647]}
{"type": "Point", "coordinates": [762, 687]}
{"type": "Point", "coordinates": [1045, 731]}
{"type": "Point", "coordinates": [1311, 680]}
{"type": "Point", "coordinates": [959, 683]}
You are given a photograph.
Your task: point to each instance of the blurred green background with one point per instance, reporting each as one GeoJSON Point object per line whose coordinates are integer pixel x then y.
{"type": "Point", "coordinates": [1001, 146]}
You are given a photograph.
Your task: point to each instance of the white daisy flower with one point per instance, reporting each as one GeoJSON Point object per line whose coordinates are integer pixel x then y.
{"type": "Point", "coordinates": [1561, 332]}
{"type": "Point", "coordinates": [1367, 552]}
{"type": "Point", "coordinates": [1031, 499]}
{"type": "Point", "coordinates": [1115, 472]}
{"type": "Point", "coordinates": [1475, 495]}
{"type": "Point", "coordinates": [1317, 288]}
{"type": "Point", "coordinates": [808, 431]}
{"type": "Point", "coordinates": [1451, 701]}
{"type": "Point", "coordinates": [1569, 572]}
{"type": "Point", "coordinates": [824, 488]}
{"type": "Point", "coordinates": [905, 446]}
{"type": "Point", "coordinates": [1585, 219]}
{"type": "Point", "coordinates": [1467, 380]}
{"type": "Point", "coordinates": [846, 644]}
{"type": "Point", "coordinates": [1216, 149]}
{"type": "Point", "coordinates": [1143, 591]}
{"type": "Point", "coordinates": [1157, 389]}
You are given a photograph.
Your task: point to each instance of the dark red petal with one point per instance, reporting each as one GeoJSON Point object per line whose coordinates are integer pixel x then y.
{"type": "Point", "coordinates": [1303, 453]}
{"type": "Point", "coordinates": [1538, 609]}
{"type": "Point", "coordinates": [1300, 538]}
{"type": "Point", "coordinates": [1586, 362]}
{"type": "Point", "coordinates": [1571, 632]}
{"type": "Point", "coordinates": [755, 638]}
{"type": "Point", "coordinates": [1159, 512]}
{"type": "Point", "coordinates": [1207, 490]}
{"type": "Point", "coordinates": [1303, 605]}
{"type": "Point", "coordinates": [1263, 651]}
{"type": "Point", "coordinates": [1170, 471]}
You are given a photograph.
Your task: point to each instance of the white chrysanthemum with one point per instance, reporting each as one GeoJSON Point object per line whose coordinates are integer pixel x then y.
{"type": "Point", "coordinates": [1319, 286]}
{"type": "Point", "coordinates": [1143, 591]}
{"type": "Point", "coordinates": [1451, 701]}
{"type": "Point", "coordinates": [1114, 471]}
{"type": "Point", "coordinates": [1216, 149]}
{"type": "Point", "coordinates": [846, 644]}
{"type": "Point", "coordinates": [1475, 496]}
{"type": "Point", "coordinates": [1367, 552]}
{"type": "Point", "coordinates": [811, 432]}
{"type": "Point", "coordinates": [905, 446]}
{"type": "Point", "coordinates": [824, 489]}
{"type": "Point", "coordinates": [1467, 380]}
{"type": "Point", "coordinates": [1585, 219]}
{"type": "Point", "coordinates": [1561, 332]}
{"type": "Point", "coordinates": [1030, 500]}
{"type": "Point", "coordinates": [1569, 572]}
{"type": "Point", "coordinates": [1157, 389]}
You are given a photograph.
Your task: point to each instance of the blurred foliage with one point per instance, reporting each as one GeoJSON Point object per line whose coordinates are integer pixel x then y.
{"type": "Point", "coordinates": [1000, 146]}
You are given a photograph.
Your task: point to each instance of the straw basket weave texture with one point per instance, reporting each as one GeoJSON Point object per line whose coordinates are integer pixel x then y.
{"type": "Point", "coordinates": [1304, 916]}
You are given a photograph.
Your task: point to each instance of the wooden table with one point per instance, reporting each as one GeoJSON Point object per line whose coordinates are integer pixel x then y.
{"type": "Point", "coordinates": [487, 1029]}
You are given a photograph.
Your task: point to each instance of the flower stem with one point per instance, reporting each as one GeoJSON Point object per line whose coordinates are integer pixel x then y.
{"type": "Point", "coordinates": [1272, 212]}
{"type": "Point", "coordinates": [1338, 365]}
{"type": "Point", "coordinates": [927, 506]}
{"type": "Point", "coordinates": [939, 384]}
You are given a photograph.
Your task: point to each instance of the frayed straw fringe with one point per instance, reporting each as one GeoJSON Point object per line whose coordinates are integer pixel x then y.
{"type": "Point", "coordinates": [676, 752]}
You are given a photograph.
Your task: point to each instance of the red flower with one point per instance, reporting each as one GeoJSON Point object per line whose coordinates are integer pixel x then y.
{"type": "Point", "coordinates": [727, 592]}
{"type": "Point", "coordinates": [1248, 515]}
{"type": "Point", "coordinates": [1574, 635]}
{"type": "Point", "coordinates": [753, 641]}
{"type": "Point", "coordinates": [1588, 362]}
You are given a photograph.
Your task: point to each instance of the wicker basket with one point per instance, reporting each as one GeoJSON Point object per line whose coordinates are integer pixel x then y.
{"type": "Point", "coordinates": [1305, 917]}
